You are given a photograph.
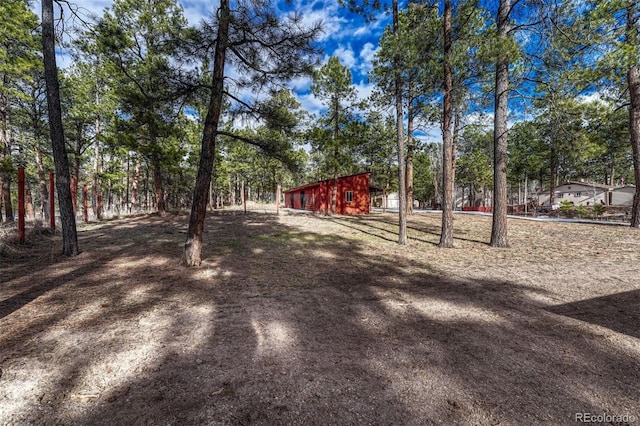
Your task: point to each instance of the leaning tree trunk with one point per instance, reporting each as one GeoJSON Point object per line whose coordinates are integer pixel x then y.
{"type": "Point", "coordinates": [193, 245]}
{"type": "Point", "coordinates": [499, 227]}
{"type": "Point", "coordinates": [446, 234]}
{"type": "Point", "coordinates": [63, 181]}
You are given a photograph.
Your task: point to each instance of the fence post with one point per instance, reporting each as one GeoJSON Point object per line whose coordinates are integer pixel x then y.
{"type": "Point", "coordinates": [52, 199]}
{"type": "Point", "coordinates": [21, 224]}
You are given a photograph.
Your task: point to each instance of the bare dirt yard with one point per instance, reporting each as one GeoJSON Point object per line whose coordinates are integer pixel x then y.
{"type": "Point", "coordinates": [302, 319]}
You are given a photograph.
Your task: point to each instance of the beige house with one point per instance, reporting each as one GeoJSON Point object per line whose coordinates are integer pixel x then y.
{"type": "Point", "coordinates": [578, 193]}
{"type": "Point", "coordinates": [623, 195]}
{"type": "Point", "coordinates": [391, 201]}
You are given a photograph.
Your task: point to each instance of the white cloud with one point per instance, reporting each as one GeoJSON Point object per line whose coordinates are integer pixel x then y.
{"type": "Point", "coordinates": [343, 35]}
{"type": "Point", "coordinates": [346, 56]}
{"type": "Point", "coordinates": [95, 7]}
{"type": "Point", "coordinates": [370, 29]}
{"type": "Point", "coordinates": [316, 106]}
{"type": "Point", "coordinates": [364, 90]}
{"type": "Point", "coordinates": [374, 28]}
{"type": "Point", "coordinates": [197, 10]}
{"type": "Point", "coordinates": [367, 54]}
{"type": "Point", "coordinates": [310, 103]}
{"type": "Point", "coordinates": [429, 133]}
{"type": "Point", "coordinates": [483, 118]}
{"type": "Point", "coordinates": [603, 97]}
{"type": "Point", "coordinates": [362, 31]}
{"type": "Point", "coordinates": [300, 84]}
{"type": "Point", "coordinates": [326, 13]}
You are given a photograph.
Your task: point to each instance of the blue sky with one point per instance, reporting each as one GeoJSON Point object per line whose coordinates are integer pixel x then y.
{"type": "Point", "coordinates": [346, 35]}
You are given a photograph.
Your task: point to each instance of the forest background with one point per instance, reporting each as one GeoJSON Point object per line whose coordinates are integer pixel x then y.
{"type": "Point", "coordinates": [521, 94]}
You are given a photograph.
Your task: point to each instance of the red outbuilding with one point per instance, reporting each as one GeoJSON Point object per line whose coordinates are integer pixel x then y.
{"type": "Point", "coordinates": [352, 196]}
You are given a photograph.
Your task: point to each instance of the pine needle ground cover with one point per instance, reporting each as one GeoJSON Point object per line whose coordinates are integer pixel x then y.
{"type": "Point", "coordinates": [302, 319]}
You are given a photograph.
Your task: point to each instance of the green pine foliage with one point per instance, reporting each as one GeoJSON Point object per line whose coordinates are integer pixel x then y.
{"type": "Point", "coordinates": [136, 95]}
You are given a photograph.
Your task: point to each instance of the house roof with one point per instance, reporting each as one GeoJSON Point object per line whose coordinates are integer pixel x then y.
{"type": "Point", "coordinates": [623, 187]}
{"type": "Point", "coordinates": [585, 185]}
{"type": "Point", "coordinates": [314, 184]}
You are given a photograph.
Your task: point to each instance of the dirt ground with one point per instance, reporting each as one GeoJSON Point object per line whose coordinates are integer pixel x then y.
{"type": "Point", "coordinates": [302, 319]}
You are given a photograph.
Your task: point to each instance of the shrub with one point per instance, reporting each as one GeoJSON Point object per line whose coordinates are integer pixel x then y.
{"type": "Point", "coordinates": [566, 207]}
{"type": "Point", "coordinates": [581, 211]}
{"type": "Point", "coordinates": [598, 209]}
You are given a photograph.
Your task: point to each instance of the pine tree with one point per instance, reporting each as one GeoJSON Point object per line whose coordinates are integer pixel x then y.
{"type": "Point", "coordinates": [17, 58]}
{"type": "Point", "coordinates": [500, 128]}
{"type": "Point", "coordinates": [141, 40]}
{"type": "Point", "coordinates": [63, 178]}
{"type": "Point", "coordinates": [265, 50]}
{"type": "Point", "coordinates": [605, 40]}
{"type": "Point", "coordinates": [332, 83]}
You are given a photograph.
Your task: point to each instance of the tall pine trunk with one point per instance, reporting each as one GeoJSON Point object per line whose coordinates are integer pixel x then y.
{"type": "Point", "coordinates": [75, 172]}
{"type": "Point", "coordinates": [6, 196]}
{"type": "Point", "coordinates": [553, 175]}
{"type": "Point", "coordinates": [42, 183]}
{"type": "Point", "coordinates": [633, 77]}
{"type": "Point", "coordinates": [633, 81]}
{"type": "Point", "coordinates": [402, 190]}
{"type": "Point", "coordinates": [193, 245]}
{"type": "Point", "coordinates": [334, 191]}
{"type": "Point", "coordinates": [446, 234]}
{"type": "Point", "coordinates": [30, 211]}
{"type": "Point", "coordinates": [410, 152]}
{"type": "Point", "coordinates": [500, 136]}
{"type": "Point", "coordinates": [96, 166]}
{"type": "Point", "coordinates": [158, 187]}
{"type": "Point", "coordinates": [336, 151]}
{"type": "Point", "coordinates": [63, 180]}
{"type": "Point", "coordinates": [135, 184]}
{"type": "Point", "coordinates": [5, 154]}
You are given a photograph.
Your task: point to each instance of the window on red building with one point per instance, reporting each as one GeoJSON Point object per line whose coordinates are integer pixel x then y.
{"type": "Point", "coordinates": [348, 195]}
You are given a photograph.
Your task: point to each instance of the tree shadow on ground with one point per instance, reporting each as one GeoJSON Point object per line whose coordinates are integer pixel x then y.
{"type": "Point", "coordinates": [365, 228]}
{"type": "Point", "coordinates": [285, 325]}
{"type": "Point", "coordinates": [619, 312]}
{"type": "Point", "coordinates": [48, 257]}
{"type": "Point", "coordinates": [386, 228]}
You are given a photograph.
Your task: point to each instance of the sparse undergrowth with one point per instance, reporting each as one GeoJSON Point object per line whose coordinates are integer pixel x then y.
{"type": "Point", "coordinates": [10, 244]}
